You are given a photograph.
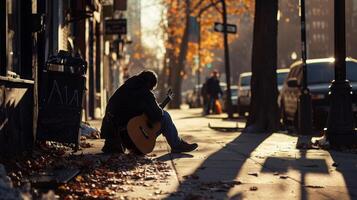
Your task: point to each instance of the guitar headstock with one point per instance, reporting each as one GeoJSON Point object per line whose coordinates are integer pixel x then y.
{"type": "Point", "coordinates": [169, 96]}
{"type": "Point", "coordinates": [170, 93]}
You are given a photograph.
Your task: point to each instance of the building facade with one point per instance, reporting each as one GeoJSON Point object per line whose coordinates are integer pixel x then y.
{"type": "Point", "coordinates": [30, 32]}
{"type": "Point", "coordinates": [320, 28]}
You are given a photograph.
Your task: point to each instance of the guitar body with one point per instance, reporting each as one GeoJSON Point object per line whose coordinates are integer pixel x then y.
{"type": "Point", "coordinates": [143, 136]}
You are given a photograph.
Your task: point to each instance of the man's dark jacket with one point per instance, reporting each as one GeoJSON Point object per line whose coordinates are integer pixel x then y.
{"type": "Point", "coordinates": [133, 98]}
{"type": "Point", "coordinates": [213, 88]}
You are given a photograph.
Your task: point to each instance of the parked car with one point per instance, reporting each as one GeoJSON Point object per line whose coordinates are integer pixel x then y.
{"type": "Point", "coordinates": [194, 98]}
{"type": "Point", "coordinates": [234, 98]}
{"type": "Point", "coordinates": [244, 93]}
{"type": "Point", "coordinates": [186, 97]}
{"type": "Point", "coordinates": [320, 73]}
{"type": "Point", "coordinates": [281, 76]}
{"type": "Point", "coordinates": [243, 100]}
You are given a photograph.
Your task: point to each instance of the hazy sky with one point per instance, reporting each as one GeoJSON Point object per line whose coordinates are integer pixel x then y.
{"type": "Point", "coordinates": [150, 18]}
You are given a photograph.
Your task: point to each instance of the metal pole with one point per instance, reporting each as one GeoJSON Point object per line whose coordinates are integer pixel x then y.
{"type": "Point", "coordinates": [304, 104]}
{"type": "Point", "coordinates": [227, 61]}
{"type": "Point", "coordinates": [199, 52]}
{"type": "Point", "coordinates": [303, 44]}
{"type": "Point", "coordinates": [3, 38]}
{"type": "Point", "coordinates": [340, 129]}
{"type": "Point", "coordinates": [198, 72]}
{"type": "Point", "coordinates": [340, 41]}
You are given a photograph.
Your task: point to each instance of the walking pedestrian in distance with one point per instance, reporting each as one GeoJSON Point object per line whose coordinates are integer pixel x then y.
{"type": "Point", "coordinates": [213, 91]}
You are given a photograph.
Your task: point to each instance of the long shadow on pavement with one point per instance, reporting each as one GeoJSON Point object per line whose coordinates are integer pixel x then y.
{"type": "Point", "coordinates": [170, 156]}
{"type": "Point", "coordinates": [303, 164]}
{"type": "Point", "coordinates": [346, 164]}
{"type": "Point", "coordinates": [219, 169]}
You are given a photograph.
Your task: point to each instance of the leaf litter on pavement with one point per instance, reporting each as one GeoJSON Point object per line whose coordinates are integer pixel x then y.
{"type": "Point", "coordinates": [118, 174]}
{"type": "Point", "coordinates": [101, 176]}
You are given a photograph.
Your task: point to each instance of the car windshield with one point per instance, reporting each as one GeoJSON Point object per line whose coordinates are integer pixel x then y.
{"type": "Point", "coordinates": [324, 72]}
{"type": "Point", "coordinates": [281, 77]}
{"type": "Point", "coordinates": [245, 80]}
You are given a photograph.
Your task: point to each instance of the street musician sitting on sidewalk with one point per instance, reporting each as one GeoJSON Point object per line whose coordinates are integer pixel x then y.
{"type": "Point", "coordinates": [134, 98]}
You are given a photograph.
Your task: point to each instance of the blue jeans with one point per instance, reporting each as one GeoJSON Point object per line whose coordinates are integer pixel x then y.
{"type": "Point", "coordinates": [210, 105]}
{"type": "Point", "coordinates": [168, 129]}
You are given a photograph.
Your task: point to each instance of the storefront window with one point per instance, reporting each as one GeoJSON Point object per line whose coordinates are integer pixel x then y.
{"type": "Point", "coordinates": [63, 31]}
{"type": "Point", "coordinates": [34, 38]}
{"type": "Point", "coordinates": [12, 35]}
{"type": "Point", "coordinates": [3, 42]}
{"type": "Point", "coordinates": [21, 47]}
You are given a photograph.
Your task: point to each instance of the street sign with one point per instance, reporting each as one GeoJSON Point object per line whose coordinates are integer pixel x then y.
{"type": "Point", "coordinates": [219, 27]}
{"type": "Point", "coordinates": [115, 26]}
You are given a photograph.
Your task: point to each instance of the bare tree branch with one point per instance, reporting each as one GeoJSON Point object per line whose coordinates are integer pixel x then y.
{"type": "Point", "coordinates": [198, 4]}
{"type": "Point", "coordinates": [215, 5]}
{"type": "Point", "coordinates": [207, 7]}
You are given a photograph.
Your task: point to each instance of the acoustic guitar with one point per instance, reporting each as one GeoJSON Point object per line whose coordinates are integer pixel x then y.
{"type": "Point", "coordinates": [142, 133]}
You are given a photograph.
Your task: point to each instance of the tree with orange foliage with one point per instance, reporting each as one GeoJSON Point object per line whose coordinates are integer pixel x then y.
{"type": "Point", "coordinates": [179, 51]}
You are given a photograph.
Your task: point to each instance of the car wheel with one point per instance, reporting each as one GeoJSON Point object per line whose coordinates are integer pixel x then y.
{"type": "Point", "coordinates": [241, 114]}
{"type": "Point", "coordinates": [283, 119]}
{"type": "Point", "coordinates": [319, 120]}
{"type": "Point", "coordinates": [296, 121]}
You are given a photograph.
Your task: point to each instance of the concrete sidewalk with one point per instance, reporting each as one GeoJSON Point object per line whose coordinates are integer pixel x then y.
{"type": "Point", "coordinates": [233, 165]}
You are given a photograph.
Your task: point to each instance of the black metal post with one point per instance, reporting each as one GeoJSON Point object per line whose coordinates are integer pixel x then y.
{"type": "Point", "coordinates": [304, 107]}
{"type": "Point", "coordinates": [41, 44]}
{"type": "Point", "coordinates": [198, 71]}
{"type": "Point", "coordinates": [91, 70]}
{"type": "Point", "coordinates": [227, 61]}
{"type": "Point", "coordinates": [25, 61]}
{"type": "Point", "coordinates": [3, 38]}
{"type": "Point", "coordinates": [340, 128]}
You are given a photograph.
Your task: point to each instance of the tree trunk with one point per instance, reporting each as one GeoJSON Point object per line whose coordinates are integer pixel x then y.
{"type": "Point", "coordinates": [162, 83]}
{"type": "Point", "coordinates": [175, 72]}
{"type": "Point", "coordinates": [264, 115]}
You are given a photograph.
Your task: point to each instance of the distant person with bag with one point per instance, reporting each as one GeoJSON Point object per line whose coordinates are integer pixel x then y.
{"type": "Point", "coordinates": [213, 92]}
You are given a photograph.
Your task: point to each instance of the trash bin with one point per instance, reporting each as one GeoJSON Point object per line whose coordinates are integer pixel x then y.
{"type": "Point", "coordinates": [61, 91]}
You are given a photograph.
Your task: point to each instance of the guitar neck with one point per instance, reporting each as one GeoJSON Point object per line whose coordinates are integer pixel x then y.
{"type": "Point", "coordinates": [165, 102]}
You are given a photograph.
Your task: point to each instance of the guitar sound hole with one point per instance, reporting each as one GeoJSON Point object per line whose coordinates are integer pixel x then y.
{"type": "Point", "coordinates": [145, 134]}
{"type": "Point", "coordinates": [150, 125]}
